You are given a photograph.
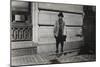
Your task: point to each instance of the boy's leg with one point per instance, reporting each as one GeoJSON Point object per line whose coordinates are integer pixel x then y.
{"type": "Point", "coordinates": [57, 46]}
{"type": "Point", "coordinates": [62, 43]}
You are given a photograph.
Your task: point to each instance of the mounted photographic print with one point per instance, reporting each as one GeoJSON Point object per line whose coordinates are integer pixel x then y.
{"type": "Point", "coordinates": [52, 33]}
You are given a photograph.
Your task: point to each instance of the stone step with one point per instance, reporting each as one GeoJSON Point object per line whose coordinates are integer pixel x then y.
{"type": "Point", "coordinates": [24, 51]}
{"type": "Point", "coordinates": [22, 44]}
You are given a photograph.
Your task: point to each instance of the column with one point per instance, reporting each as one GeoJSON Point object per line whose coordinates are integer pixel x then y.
{"type": "Point", "coordinates": [35, 21]}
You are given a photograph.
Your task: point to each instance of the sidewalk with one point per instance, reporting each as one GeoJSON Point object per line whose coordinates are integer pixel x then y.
{"type": "Point", "coordinates": [50, 59]}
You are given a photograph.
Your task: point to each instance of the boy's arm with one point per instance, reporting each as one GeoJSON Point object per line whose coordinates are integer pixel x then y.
{"type": "Point", "coordinates": [54, 30]}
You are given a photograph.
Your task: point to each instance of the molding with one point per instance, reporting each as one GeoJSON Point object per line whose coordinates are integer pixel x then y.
{"type": "Point", "coordinates": [53, 25]}
{"type": "Point", "coordinates": [60, 11]}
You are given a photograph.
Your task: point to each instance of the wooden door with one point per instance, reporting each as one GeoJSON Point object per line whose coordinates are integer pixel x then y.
{"type": "Point", "coordinates": [46, 23]}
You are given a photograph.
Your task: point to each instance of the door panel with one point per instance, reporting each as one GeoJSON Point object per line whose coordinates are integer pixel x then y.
{"type": "Point", "coordinates": [46, 35]}
{"type": "Point", "coordinates": [73, 19]}
{"type": "Point", "coordinates": [48, 17]}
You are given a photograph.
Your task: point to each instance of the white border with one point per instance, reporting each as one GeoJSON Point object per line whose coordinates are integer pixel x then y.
{"type": "Point", "coordinates": [81, 2]}
{"type": "Point", "coordinates": [5, 33]}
